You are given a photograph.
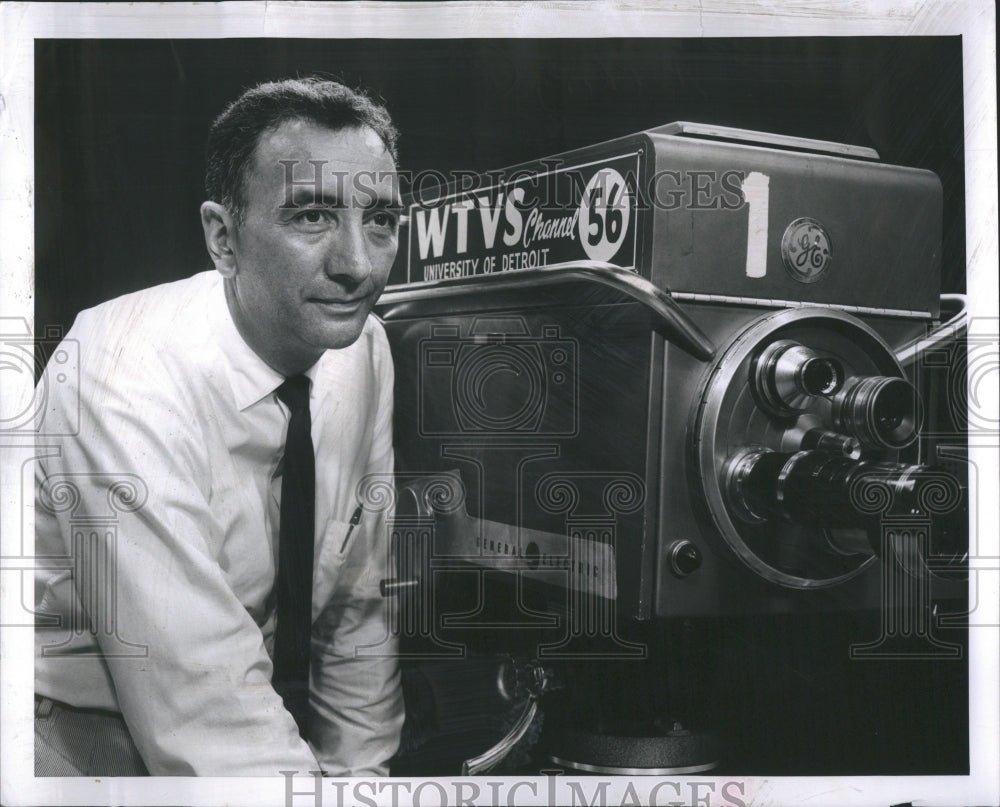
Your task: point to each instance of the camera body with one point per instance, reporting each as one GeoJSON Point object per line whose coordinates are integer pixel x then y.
{"type": "Point", "coordinates": [675, 376]}
{"type": "Point", "coordinates": [502, 381]}
{"type": "Point", "coordinates": [529, 361]}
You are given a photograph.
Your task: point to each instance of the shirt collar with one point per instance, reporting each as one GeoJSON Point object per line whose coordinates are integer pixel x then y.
{"type": "Point", "coordinates": [250, 377]}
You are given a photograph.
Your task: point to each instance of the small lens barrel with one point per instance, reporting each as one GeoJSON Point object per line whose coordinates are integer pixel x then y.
{"type": "Point", "coordinates": [788, 377]}
{"type": "Point", "coordinates": [832, 443]}
{"type": "Point", "coordinates": [821, 376]}
{"type": "Point", "coordinates": [750, 485]}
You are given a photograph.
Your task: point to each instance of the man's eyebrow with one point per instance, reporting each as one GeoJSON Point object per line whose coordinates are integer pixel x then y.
{"type": "Point", "coordinates": [299, 197]}
{"type": "Point", "coordinates": [392, 204]}
{"type": "Point", "coordinates": [302, 197]}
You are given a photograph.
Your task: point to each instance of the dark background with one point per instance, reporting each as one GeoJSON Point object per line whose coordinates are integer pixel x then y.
{"type": "Point", "coordinates": [120, 125]}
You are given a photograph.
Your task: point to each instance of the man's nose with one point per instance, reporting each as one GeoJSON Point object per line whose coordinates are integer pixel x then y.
{"type": "Point", "coordinates": [348, 260]}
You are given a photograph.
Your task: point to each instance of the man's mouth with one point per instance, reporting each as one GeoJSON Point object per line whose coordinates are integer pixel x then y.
{"type": "Point", "coordinates": [339, 304]}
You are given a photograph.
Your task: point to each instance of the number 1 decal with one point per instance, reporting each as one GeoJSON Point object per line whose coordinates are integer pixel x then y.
{"type": "Point", "coordinates": [756, 191]}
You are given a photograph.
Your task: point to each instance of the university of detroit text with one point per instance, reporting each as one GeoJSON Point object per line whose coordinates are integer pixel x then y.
{"type": "Point", "coordinates": [509, 262]}
{"type": "Point", "coordinates": [450, 269]}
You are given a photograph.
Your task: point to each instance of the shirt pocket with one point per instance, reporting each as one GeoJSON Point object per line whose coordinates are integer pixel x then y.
{"type": "Point", "coordinates": [328, 562]}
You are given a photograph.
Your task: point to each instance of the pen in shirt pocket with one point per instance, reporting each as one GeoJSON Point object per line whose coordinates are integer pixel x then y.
{"type": "Point", "coordinates": [350, 527]}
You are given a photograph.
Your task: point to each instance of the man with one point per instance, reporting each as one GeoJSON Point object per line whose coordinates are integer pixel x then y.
{"type": "Point", "coordinates": [174, 638]}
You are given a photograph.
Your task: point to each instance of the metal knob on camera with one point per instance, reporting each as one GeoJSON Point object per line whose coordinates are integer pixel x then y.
{"type": "Point", "coordinates": [685, 557]}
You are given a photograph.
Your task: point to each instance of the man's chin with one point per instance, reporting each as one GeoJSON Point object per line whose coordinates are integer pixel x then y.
{"type": "Point", "coordinates": [336, 336]}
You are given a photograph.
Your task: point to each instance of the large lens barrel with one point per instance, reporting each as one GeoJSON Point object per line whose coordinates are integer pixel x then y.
{"type": "Point", "coordinates": [788, 377]}
{"type": "Point", "coordinates": [880, 411]}
{"type": "Point", "coordinates": [826, 490]}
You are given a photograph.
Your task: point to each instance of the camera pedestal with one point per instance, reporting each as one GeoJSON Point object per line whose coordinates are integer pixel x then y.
{"type": "Point", "coordinates": [678, 752]}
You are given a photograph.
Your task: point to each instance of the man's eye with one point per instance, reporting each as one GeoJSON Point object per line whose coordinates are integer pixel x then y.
{"type": "Point", "coordinates": [312, 216]}
{"type": "Point", "coordinates": [312, 219]}
{"type": "Point", "coordinates": [384, 220]}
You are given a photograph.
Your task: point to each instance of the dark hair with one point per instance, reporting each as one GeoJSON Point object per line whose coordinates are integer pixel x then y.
{"type": "Point", "coordinates": [234, 135]}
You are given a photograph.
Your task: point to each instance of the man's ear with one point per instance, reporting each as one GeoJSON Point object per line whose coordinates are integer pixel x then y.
{"type": "Point", "coordinates": [219, 229]}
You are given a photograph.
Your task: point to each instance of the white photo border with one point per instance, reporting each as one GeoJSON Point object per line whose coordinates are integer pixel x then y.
{"type": "Point", "coordinates": [22, 23]}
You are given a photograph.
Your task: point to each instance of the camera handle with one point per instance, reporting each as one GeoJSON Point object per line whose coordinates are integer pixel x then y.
{"type": "Point", "coordinates": [671, 320]}
{"type": "Point", "coordinates": [951, 330]}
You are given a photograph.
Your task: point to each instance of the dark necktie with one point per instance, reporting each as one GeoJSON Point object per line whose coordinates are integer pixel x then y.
{"type": "Point", "coordinates": [293, 589]}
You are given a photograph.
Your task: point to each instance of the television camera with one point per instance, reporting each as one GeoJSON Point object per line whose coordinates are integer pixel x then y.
{"type": "Point", "coordinates": [652, 395]}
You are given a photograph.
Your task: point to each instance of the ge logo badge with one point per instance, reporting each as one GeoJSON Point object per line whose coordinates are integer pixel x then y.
{"type": "Point", "coordinates": [806, 250]}
{"type": "Point", "coordinates": [604, 214]}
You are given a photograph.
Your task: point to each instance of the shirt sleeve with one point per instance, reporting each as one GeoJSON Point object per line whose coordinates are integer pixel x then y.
{"type": "Point", "coordinates": [199, 700]}
{"type": "Point", "coordinates": [356, 698]}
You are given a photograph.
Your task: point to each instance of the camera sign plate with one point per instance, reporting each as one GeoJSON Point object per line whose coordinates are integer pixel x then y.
{"type": "Point", "coordinates": [526, 219]}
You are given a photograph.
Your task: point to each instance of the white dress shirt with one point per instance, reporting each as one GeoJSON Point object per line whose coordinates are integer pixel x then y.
{"type": "Point", "coordinates": [164, 503]}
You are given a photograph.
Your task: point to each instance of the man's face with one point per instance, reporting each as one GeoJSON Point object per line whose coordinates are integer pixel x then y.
{"type": "Point", "coordinates": [312, 257]}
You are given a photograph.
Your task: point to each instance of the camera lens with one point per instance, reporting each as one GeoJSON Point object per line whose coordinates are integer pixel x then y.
{"type": "Point", "coordinates": [814, 487]}
{"type": "Point", "coordinates": [832, 443]}
{"type": "Point", "coordinates": [821, 376]}
{"type": "Point", "coordinates": [878, 410]}
{"type": "Point", "coordinates": [890, 410]}
{"type": "Point", "coordinates": [788, 377]}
